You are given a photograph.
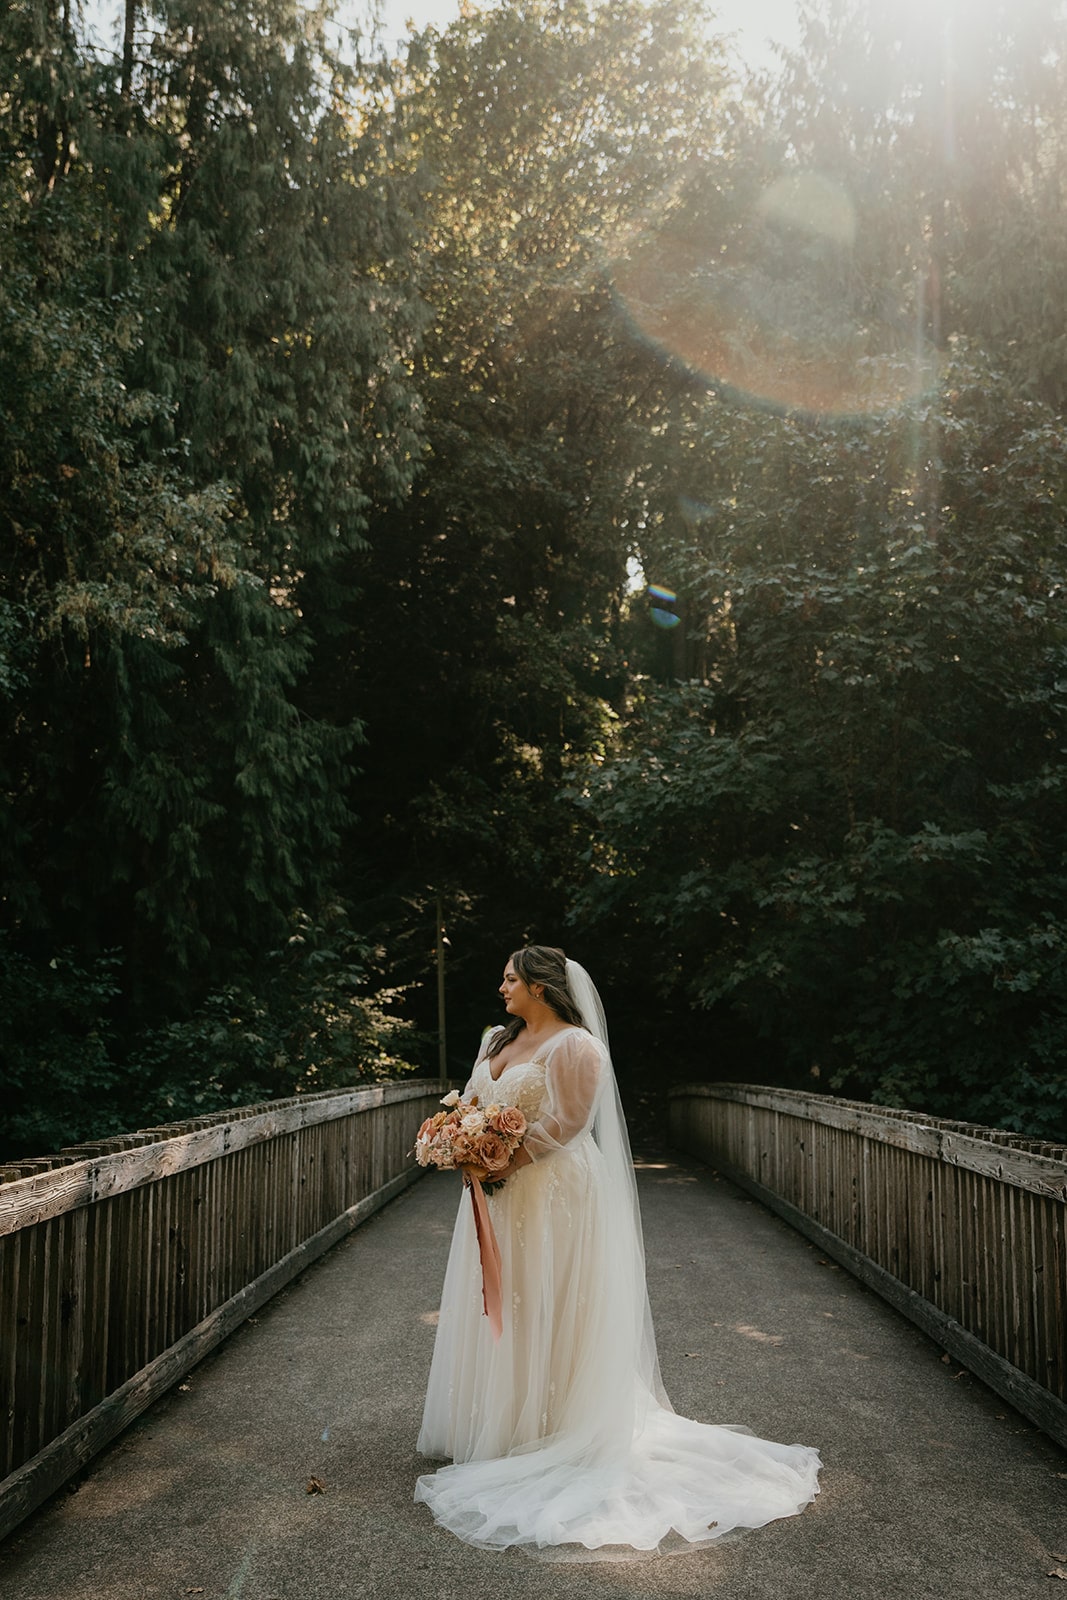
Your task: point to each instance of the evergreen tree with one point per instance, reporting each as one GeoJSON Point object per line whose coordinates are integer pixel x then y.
{"type": "Point", "coordinates": [203, 379]}
{"type": "Point", "coordinates": [486, 644]}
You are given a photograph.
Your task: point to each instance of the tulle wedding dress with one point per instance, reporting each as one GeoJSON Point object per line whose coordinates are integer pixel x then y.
{"type": "Point", "coordinates": [560, 1432]}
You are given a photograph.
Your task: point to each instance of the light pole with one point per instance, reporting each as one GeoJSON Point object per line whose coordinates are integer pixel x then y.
{"type": "Point", "coordinates": [442, 1054]}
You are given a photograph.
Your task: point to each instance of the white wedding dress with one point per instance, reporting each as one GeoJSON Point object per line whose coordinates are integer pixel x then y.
{"type": "Point", "coordinates": [560, 1433]}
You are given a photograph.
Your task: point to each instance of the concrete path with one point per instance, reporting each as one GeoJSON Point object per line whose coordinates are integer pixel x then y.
{"type": "Point", "coordinates": [932, 1486]}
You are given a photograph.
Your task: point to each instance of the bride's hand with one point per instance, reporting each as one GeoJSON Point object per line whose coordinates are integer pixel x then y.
{"type": "Point", "coordinates": [501, 1175]}
{"type": "Point", "coordinates": [519, 1159]}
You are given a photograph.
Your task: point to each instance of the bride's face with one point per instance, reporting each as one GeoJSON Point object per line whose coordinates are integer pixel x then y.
{"type": "Point", "coordinates": [517, 997]}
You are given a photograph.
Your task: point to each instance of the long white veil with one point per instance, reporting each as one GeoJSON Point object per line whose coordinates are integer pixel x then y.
{"type": "Point", "coordinates": [628, 1291]}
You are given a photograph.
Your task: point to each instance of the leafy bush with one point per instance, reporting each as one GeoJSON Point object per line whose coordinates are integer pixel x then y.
{"type": "Point", "coordinates": [313, 1017]}
{"type": "Point", "coordinates": [60, 1079]}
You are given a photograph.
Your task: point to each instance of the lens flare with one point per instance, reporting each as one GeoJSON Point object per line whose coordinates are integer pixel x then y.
{"type": "Point", "coordinates": [661, 599]}
{"type": "Point", "coordinates": [769, 315]}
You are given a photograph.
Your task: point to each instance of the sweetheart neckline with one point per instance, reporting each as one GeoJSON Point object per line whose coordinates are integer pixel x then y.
{"type": "Point", "coordinates": [534, 1060]}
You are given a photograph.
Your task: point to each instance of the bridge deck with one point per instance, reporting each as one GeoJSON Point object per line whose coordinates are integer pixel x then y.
{"type": "Point", "coordinates": [932, 1485]}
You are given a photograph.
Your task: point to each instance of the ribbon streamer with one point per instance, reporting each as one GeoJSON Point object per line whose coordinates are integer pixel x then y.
{"type": "Point", "coordinates": [489, 1250]}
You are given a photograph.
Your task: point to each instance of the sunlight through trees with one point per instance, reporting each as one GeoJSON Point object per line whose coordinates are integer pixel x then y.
{"type": "Point", "coordinates": [343, 391]}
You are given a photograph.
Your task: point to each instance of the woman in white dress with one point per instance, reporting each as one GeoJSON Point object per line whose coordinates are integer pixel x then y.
{"type": "Point", "coordinates": [560, 1432]}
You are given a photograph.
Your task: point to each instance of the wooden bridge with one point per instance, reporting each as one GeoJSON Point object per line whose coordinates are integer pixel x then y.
{"type": "Point", "coordinates": [123, 1264]}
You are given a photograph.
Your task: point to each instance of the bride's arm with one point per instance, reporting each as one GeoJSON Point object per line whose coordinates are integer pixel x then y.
{"type": "Point", "coordinates": [571, 1082]}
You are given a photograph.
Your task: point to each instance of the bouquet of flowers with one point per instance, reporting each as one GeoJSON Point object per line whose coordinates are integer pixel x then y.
{"type": "Point", "coordinates": [482, 1140]}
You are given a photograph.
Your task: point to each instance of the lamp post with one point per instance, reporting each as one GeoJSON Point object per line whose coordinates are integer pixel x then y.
{"type": "Point", "coordinates": [442, 1053]}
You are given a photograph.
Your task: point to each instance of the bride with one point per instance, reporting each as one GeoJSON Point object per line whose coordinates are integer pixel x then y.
{"type": "Point", "coordinates": [560, 1431]}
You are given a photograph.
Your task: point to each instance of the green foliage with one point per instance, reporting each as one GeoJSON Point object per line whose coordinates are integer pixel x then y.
{"type": "Point", "coordinates": [870, 781]}
{"type": "Point", "coordinates": [315, 1016]}
{"type": "Point", "coordinates": [61, 1082]}
{"type": "Point", "coordinates": [279, 330]}
{"type": "Point", "coordinates": [204, 377]}
{"type": "Point", "coordinates": [335, 399]}
{"type": "Point", "coordinates": [201, 382]}
{"type": "Point", "coordinates": [486, 641]}
{"type": "Point", "coordinates": [945, 131]}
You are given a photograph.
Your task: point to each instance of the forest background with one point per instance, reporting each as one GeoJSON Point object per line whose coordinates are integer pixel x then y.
{"type": "Point", "coordinates": [551, 474]}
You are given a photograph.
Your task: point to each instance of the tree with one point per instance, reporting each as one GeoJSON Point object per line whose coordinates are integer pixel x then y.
{"type": "Point", "coordinates": [867, 779]}
{"type": "Point", "coordinates": [203, 380]}
{"type": "Point", "coordinates": [485, 641]}
{"type": "Point", "coordinates": [943, 128]}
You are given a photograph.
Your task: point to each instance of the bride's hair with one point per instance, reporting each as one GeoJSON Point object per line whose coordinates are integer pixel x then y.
{"type": "Point", "coordinates": [540, 963]}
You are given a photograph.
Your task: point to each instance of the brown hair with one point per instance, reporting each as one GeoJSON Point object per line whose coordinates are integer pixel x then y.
{"type": "Point", "coordinates": [543, 964]}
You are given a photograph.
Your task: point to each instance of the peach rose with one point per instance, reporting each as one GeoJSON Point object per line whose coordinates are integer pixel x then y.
{"type": "Point", "coordinates": [463, 1148]}
{"type": "Point", "coordinates": [510, 1123]}
{"type": "Point", "coordinates": [493, 1153]}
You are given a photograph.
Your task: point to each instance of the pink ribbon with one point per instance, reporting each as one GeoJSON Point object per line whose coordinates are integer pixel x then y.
{"type": "Point", "coordinates": [489, 1250]}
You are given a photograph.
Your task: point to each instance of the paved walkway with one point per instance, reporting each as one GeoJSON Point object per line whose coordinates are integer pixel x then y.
{"type": "Point", "coordinates": [932, 1487]}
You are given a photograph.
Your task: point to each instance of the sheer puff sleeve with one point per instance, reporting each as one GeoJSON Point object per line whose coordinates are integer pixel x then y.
{"type": "Point", "coordinates": [574, 1077]}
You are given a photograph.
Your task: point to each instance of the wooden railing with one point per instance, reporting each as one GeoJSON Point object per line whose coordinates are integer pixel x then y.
{"type": "Point", "coordinates": [122, 1264]}
{"type": "Point", "coordinates": [962, 1228]}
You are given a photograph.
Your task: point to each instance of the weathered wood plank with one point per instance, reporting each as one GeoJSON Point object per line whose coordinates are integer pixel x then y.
{"type": "Point", "coordinates": [1047, 1411]}
{"type": "Point", "coordinates": [9, 1300]}
{"type": "Point", "coordinates": [51, 1191]}
{"type": "Point", "coordinates": [70, 1377]}
{"type": "Point", "coordinates": [25, 1489]}
{"type": "Point", "coordinates": [977, 1239]}
{"type": "Point", "coordinates": [978, 1152]}
{"type": "Point", "coordinates": [95, 1293]}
